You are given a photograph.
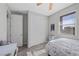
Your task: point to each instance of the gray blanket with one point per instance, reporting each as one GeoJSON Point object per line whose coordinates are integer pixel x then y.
{"type": "Point", "coordinates": [63, 47]}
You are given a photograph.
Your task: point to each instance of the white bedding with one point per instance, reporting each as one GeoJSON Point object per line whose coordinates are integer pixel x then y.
{"type": "Point", "coordinates": [63, 47]}
{"type": "Point", "coordinates": [8, 49]}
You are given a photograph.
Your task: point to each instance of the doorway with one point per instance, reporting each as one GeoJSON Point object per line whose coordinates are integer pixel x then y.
{"type": "Point", "coordinates": [18, 28]}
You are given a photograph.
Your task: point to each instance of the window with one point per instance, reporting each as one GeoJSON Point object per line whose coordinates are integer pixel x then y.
{"type": "Point", "coordinates": [67, 23]}
{"type": "Point", "coordinates": [52, 27]}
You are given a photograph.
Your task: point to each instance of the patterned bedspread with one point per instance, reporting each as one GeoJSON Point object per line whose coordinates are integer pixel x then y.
{"type": "Point", "coordinates": [63, 47]}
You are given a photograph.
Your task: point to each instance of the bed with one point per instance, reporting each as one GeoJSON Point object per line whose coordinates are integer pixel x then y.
{"type": "Point", "coordinates": [9, 50]}
{"type": "Point", "coordinates": [63, 47]}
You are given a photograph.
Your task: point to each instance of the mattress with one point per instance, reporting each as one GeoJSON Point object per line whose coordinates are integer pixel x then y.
{"type": "Point", "coordinates": [63, 47]}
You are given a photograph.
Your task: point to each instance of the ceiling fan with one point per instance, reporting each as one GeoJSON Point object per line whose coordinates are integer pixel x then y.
{"type": "Point", "coordinates": [49, 5]}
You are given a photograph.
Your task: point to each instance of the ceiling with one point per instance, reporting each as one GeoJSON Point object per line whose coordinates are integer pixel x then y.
{"type": "Point", "coordinates": [42, 9]}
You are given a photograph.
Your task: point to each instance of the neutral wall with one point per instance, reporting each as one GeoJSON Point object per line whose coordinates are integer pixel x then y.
{"type": "Point", "coordinates": [37, 29]}
{"type": "Point", "coordinates": [55, 19]}
{"type": "Point", "coordinates": [3, 22]}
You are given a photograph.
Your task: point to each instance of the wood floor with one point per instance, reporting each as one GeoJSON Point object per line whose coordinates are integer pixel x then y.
{"type": "Point", "coordinates": [37, 50]}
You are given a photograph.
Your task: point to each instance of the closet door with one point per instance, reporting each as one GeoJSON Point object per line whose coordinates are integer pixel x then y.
{"type": "Point", "coordinates": [17, 29]}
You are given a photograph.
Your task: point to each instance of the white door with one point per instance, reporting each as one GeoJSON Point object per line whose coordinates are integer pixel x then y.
{"type": "Point", "coordinates": [17, 29]}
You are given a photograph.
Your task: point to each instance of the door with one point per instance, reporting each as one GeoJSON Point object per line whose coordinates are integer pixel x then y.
{"type": "Point", "coordinates": [17, 29]}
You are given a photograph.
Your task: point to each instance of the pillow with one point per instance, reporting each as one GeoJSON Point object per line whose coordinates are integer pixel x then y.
{"type": "Point", "coordinates": [3, 43]}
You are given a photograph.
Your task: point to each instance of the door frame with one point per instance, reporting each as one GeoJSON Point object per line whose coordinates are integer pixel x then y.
{"type": "Point", "coordinates": [9, 13]}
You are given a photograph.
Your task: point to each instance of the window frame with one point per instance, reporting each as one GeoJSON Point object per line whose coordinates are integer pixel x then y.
{"type": "Point", "coordinates": [61, 18]}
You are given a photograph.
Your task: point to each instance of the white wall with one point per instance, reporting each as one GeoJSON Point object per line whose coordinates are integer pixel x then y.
{"type": "Point", "coordinates": [3, 22]}
{"type": "Point", "coordinates": [37, 29]}
{"type": "Point", "coordinates": [55, 19]}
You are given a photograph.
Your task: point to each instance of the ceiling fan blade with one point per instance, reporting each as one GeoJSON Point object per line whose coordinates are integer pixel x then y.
{"type": "Point", "coordinates": [38, 4]}
{"type": "Point", "coordinates": [50, 6]}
